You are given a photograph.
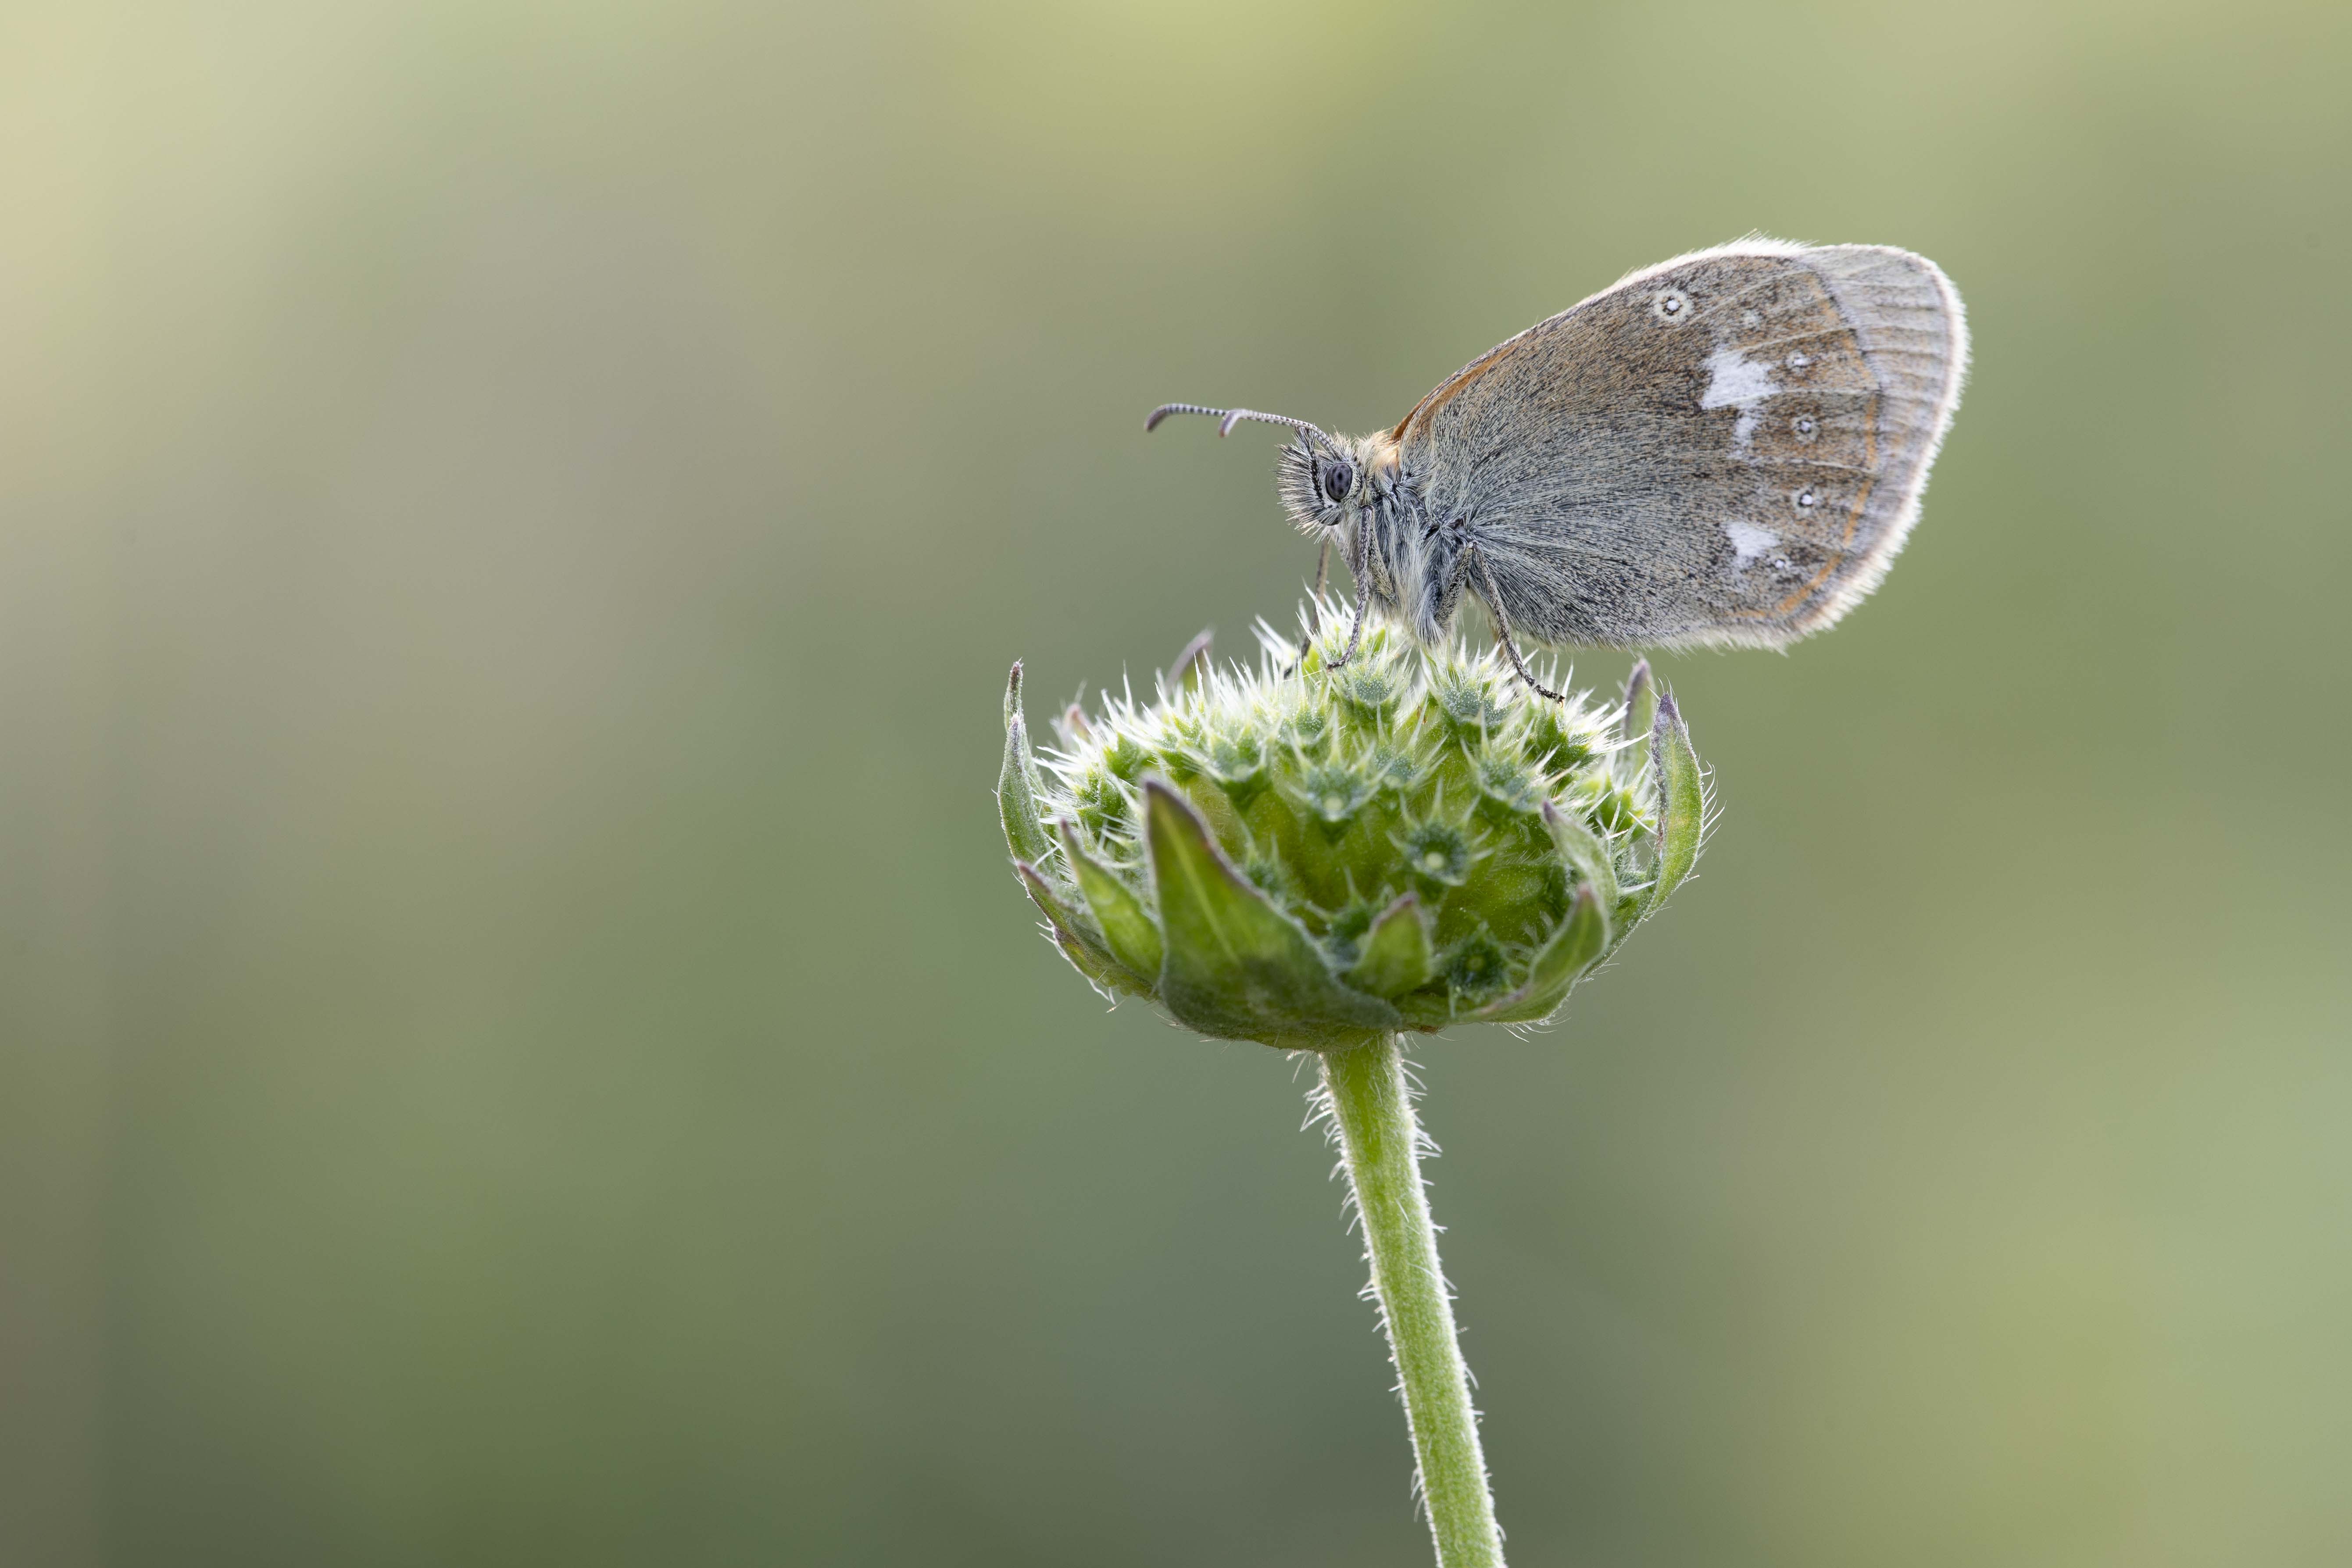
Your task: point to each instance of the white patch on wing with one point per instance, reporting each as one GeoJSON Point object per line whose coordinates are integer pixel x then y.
{"type": "Point", "coordinates": [1733, 378]}
{"type": "Point", "coordinates": [1747, 543]}
{"type": "Point", "coordinates": [1736, 382]}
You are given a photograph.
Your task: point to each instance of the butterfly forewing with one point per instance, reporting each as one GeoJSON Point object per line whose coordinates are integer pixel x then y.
{"type": "Point", "coordinates": [1727, 449]}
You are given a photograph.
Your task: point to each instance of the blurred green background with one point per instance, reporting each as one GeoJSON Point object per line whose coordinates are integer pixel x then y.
{"type": "Point", "coordinates": [517, 1040]}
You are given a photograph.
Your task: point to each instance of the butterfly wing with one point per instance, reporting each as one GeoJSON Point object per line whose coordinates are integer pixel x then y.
{"type": "Point", "coordinates": [1725, 448]}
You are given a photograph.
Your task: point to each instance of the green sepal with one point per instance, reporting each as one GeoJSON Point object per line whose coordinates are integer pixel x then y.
{"type": "Point", "coordinates": [1641, 700]}
{"type": "Point", "coordinates": [1574, 948]}
{"type": "Point", "coordinates": [1082, 947]}
{"type": "Point", "coordinates": [1682, 799]}
{"type": "Point", "coordinates": [1237, 968]}
{"type": "Point", "coordinates": [1395, 957]}
{"type": "Point", "coordinates": [1582, 848]}
{"type": "Point", "coordinates": [1127, 927]}
{"type": "Point", "coordinates": [1017, 785]}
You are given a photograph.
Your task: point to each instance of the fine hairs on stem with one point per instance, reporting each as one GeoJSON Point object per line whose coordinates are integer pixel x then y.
{"type": "Point", "coordinates": [1366, 1093]}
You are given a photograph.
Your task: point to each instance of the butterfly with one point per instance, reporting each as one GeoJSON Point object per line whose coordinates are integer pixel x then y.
{"type": "Point", "coordinates": [1725, 449]}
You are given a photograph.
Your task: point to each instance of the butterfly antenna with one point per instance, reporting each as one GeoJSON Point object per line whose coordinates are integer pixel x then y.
{"type": "Point", "coordinates": [1227, 418]}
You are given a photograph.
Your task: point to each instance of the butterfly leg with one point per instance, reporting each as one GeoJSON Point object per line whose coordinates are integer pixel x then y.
{"type": "Point", "coordinates": [1355, 637]}
{"type": "Point", "coordinates": [1494, 597]}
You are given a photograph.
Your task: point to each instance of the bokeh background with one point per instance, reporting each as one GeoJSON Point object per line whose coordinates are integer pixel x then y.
{"type": "Point", "coordinates": [517, 1040]}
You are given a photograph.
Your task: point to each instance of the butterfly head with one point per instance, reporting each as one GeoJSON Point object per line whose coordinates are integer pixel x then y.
{"type": "Point", "coordinates": [1350, 490]}
{"type": "Point", "coordinates": [1324, 481]}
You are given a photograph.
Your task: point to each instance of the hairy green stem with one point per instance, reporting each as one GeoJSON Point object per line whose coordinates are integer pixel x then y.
{"type": "Point", "coordinates": [1372, 1106]}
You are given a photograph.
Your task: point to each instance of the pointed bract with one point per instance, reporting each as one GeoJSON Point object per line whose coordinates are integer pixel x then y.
{"type": "Point", "coordinates": [1641, 700]}
{"type": "Point", "coordinates": [1582, 848]}
{"type": "Point", "coordinates": [1127, 927]}
{"type": "Point", "coordinates": [1682, 799]}
{"type": "Point", "coordinates": [1192, 662]}
{"type": "Point", "coordinates": [1081, 946]}
{"type": "Point", "coordinates": [1236, 967]}
{"type": "Point", "coordinates": [1395, 956]}
{"type": "Point", "coordinates": [1574, 948]}
{"type": "Point", "coordinates": [1017, 785]}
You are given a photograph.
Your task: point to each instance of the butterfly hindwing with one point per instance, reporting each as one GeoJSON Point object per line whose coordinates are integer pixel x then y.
{"type": "Point", "coordinates": [1725, 449]}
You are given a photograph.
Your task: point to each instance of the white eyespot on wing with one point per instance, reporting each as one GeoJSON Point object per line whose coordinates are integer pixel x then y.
{"type": "Point", "coordinates": [1735, 380]}
{"type": "Point", "coordinates": [1748, 542]}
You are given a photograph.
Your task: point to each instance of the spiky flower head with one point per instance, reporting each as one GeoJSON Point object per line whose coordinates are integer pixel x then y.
{"type": "Point", "coordinates": [1319, 849]}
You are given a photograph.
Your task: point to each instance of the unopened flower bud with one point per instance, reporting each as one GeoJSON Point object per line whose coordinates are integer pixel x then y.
{"type": "Point", "coordinates": [1306, 855]}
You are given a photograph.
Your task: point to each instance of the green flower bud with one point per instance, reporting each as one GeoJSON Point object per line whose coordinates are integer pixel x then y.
{"type": "Point", "coordinates": [1304, 856]}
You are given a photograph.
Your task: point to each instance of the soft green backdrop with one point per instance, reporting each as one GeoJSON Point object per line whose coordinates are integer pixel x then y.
{"type": "Point", "coordinates": [517, 1042]}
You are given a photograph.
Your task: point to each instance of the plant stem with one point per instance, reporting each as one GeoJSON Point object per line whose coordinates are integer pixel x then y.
{"type": "Point", "coordinates": [1372, 1106]}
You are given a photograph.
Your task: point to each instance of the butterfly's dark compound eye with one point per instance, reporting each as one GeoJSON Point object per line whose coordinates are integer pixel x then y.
{"type": "Point", "coordinates": [1338, 479]}
{"type": "Point", "coordinates": [1671, 306]}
